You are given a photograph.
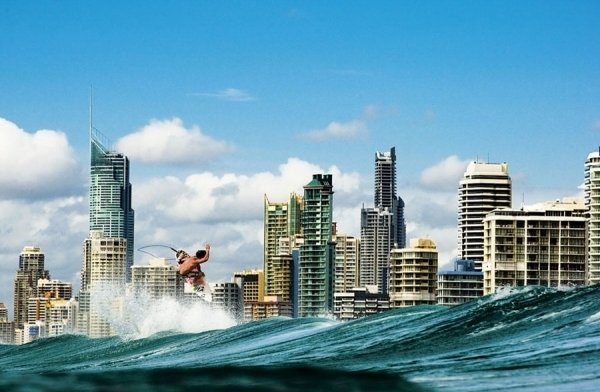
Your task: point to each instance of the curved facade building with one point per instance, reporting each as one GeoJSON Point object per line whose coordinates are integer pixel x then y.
{"type": "Point", "coordinates": [484, 188]}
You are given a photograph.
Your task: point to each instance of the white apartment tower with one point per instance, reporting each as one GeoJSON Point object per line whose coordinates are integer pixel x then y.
{"type": "Point", "coordinates": [592, 204]}
{"type": "Point", "coordinates": [484, 187]}
{"type": "Point", "coordinates": [544, 246]}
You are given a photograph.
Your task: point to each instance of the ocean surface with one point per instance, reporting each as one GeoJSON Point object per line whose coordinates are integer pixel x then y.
{"type": "Point", "coordinates": [524, 339]}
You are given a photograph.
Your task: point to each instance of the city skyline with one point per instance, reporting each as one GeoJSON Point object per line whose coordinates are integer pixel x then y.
{"type": "Point", "coordinates": [251, 112]}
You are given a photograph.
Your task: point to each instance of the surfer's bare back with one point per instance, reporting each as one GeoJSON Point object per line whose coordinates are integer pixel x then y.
{"type": "Point", "coordinates": [189, 266]}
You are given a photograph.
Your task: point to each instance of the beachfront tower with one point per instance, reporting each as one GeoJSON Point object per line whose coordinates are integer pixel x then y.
{"type": "Point", "coordinates": [484, 187]}
{"type": "Point", "coordinates": [592, 203]}
{"type": "Point", "coordinates": [317, 251]}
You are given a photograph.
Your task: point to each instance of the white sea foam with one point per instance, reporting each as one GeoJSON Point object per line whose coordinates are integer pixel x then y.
{"type": "Point", "coordinates": [139, 316]}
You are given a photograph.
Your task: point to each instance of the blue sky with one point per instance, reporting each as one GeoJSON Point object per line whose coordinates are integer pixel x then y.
{"type": "Point", "coordinates": [263, 93]}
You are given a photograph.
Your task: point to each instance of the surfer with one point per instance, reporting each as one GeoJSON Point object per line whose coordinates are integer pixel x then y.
{"type": "Point", "coordinates": [189, 266]}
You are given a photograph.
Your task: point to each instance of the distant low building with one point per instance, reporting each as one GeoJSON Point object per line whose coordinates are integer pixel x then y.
{"type": "Point", "coordinates": [359, 302]}
{"type": "Point", "coordinates": [270, 306]}
{"type": "Point", "coordinates": [461, 285]}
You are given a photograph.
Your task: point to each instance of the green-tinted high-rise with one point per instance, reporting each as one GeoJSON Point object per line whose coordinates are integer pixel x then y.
{"type": "Point", "coordinates": [110, 194]}
{"type": "Point", "coordinates": [317, 253]}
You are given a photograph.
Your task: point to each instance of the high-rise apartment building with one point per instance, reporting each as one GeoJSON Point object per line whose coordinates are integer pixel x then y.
{"type": "Point", "coordinates": [484, 187]}
{"type": "Point", "coordinates": [157, 279]}
{"type": "Point", "coordinates": [592, 204]}
{"type": "Point", "coordinates": [376, 228]}
{"type": "Point", "coordinates": [281, 220]}
{"type": "Point", "coordinates": [31, 268]}
{"type": "Point", "coordinates": [544, 246]}
{"type": "Point", "coordinates": [347, 251]}
{"type": "Point", "coordinates": [103, 281]}
{"type": "Point", "coordinates": [382, 227]}
{"type": "Point", "coordinates": [315, 267]}
{"type": "Point", "coordinates": [110, 194]}
{"type": "Point", "coordinates": [413, 274]}
{"type": "Point", "coordinates": [461, 285]}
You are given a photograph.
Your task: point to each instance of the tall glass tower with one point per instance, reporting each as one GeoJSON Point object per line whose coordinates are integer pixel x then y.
{"type": "Point", "coordinates": [110, 194]}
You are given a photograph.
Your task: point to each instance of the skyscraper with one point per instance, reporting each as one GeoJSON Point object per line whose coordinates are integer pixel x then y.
{"type": "Point", "coordinates": [382, 227]}
{"type": "Point", "coordinates": [315, 269]}
{"type": "Point", "coordinates": [31, 268]}
{"type": "Point", "coordinates": [592, 204]}
{"type": "Point", "coordinates": [386, 196]}
{"type": "Point", "coordinates": [484, 187]}
{"type": "Point", "coordinates": [110, 194]}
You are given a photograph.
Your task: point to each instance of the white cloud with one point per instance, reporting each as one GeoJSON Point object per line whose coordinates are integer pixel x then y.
{"type": "Point", "coordinates": [169, 142]}
{"type": "Point", "coordinates": [229, 94]}
{"type": "Point", "coordinates": [206, 197]}
{"type": "Point", "coordinates": [337, 130]}
{"type": "Point", "coordinates": [444, 175]}
{"type": "Point", "coordinates": [36, 165]}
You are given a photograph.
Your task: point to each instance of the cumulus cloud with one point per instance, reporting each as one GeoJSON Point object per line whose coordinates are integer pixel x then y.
{"type": "Point", "coordinates": [444, 175]}
{"type": "Point", "coordinates": [207, 197]}
{"type": "Point", "coordinates": [36, 165]}
{"type": "Point", "coordinates": [229, 94]}
{"type": "Point", "coordinates": [337, 130]}
{"type": "Point", "coordinates": [170, 142]}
